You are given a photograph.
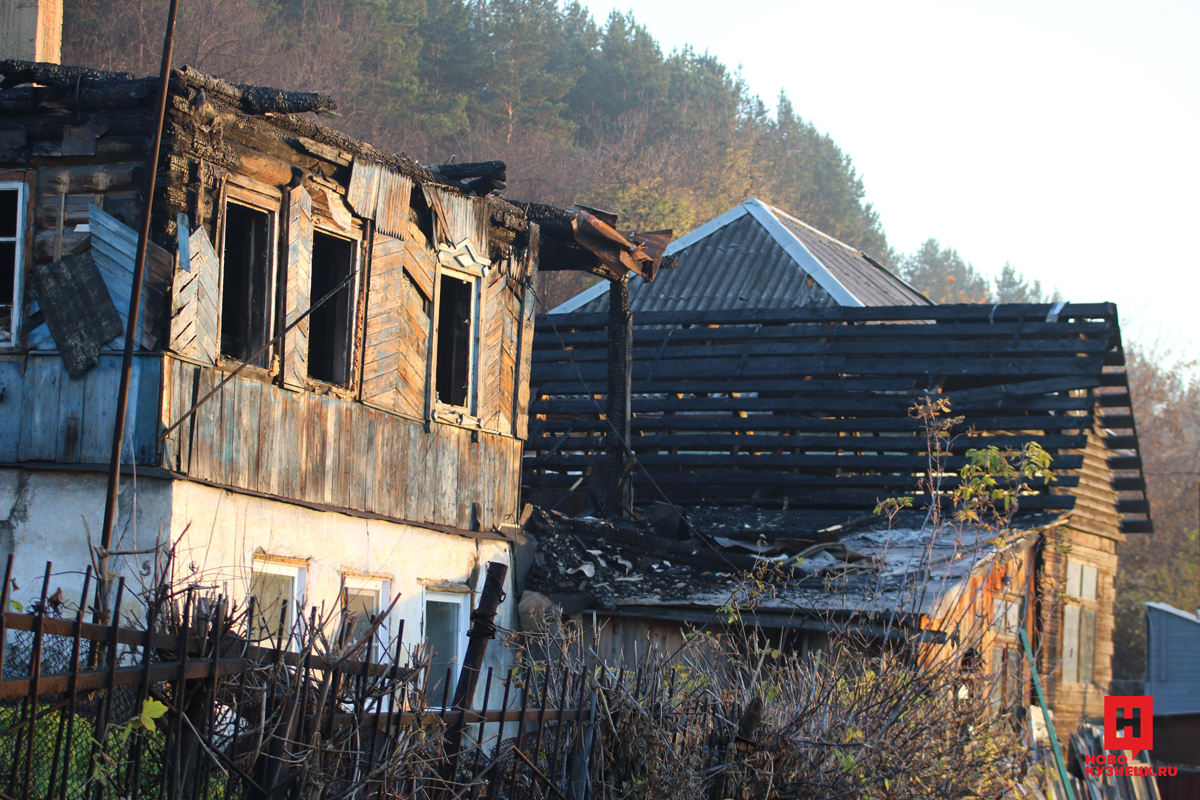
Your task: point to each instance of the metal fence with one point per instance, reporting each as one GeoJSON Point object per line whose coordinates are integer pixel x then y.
{"type": "Point", "coordinates": [200, 702]}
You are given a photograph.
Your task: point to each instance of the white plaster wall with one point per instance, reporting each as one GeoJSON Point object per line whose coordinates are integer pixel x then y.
{"type": "Point", "coordinates": [47, 515]}
{"type": "Point", "coordinates": [216, 534]}
{"type": "Point", "coordinates": [220, 531]}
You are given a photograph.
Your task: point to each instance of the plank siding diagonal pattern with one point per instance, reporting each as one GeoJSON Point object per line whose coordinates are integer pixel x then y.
{"type": "Point", "coordinates": [195, 297]}
{"type": "Point", "coordinates": [397, 330]}
{"type": "Point", "coordinates": [299, 282]}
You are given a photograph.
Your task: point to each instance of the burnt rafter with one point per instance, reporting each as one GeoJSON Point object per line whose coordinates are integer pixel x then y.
{"type": "Point", "coordinates": [810, 405]}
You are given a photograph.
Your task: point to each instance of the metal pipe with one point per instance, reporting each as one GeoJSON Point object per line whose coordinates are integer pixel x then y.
{"type": "Point", "coordinates": [131, 326]}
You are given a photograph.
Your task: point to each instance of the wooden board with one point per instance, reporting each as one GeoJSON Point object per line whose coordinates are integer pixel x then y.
{"type": "Point", "coordinates": [298, 287]}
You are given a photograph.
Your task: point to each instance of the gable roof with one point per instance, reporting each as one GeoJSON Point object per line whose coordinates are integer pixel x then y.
{"type": "Point", "coordinates": [758, 256]}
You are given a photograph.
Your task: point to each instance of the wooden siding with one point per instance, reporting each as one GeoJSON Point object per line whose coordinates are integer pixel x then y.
{"type": "Point", "coordinates": [70, 421]}
{"type": "Point", "coordinates": [317, 449]}
{"type": "Point", "coordinates": [195, 298]}
{"type": "Point", "coordinates": [397, 328]}
{"type": "Point", "coordinates": [299, 282]}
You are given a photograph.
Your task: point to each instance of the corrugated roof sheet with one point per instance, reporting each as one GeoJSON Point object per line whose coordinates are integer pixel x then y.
{"type": "Point", "coordinates": [747, 264]}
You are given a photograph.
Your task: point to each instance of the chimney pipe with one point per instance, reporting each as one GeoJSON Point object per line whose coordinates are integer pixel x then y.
{"type": "Point", "coordinates": [31, 30]}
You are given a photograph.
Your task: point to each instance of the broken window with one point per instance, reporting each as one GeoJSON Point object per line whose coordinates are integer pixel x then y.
{"type": "Point", "coordinates": [455, 335]}
{"type": "Point", "coordinates": [246, 282]}
{"type": "Point", "coordinates": [420, 219]}
{"type": "Point", "coordinates": [12, 228]}
{"type": "Point", "coordinates": [331, 326]}
{"type": "Point", "coordinates": [445, 635]}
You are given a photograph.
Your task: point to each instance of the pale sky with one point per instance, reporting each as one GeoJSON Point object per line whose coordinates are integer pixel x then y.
{"type": "Point", "coordinates": [1063, 137]}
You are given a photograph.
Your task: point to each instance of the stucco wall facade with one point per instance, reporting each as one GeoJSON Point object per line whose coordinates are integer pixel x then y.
{"type": "Point", "coordinates": [218, 534]}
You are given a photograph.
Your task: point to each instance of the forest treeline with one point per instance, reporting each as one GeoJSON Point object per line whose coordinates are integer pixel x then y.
{"type": "Point", "coordinates": [581, 111]}
{"type": "Point", "coordinates": [596, 113]}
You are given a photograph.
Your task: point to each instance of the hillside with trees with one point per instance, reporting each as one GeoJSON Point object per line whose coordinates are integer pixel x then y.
{"type": "Point", "coordinates": [595, 112]}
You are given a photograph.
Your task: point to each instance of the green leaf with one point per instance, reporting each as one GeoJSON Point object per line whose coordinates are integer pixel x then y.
{"type": "Point", "coordinates": [151, 710]}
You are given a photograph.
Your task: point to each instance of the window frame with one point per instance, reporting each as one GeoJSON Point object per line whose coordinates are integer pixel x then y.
{"type": "Point", "coordinates": [327, 227]}
{"type": "Point", "coordinates": [465, 602]}
{"type": "Point", "coordinates": [258, 196]}
{"type": "Point", "coordinates": [378, 648]}
{"type": "Point", "coordinates": [297, 571]}
{"type": "Point", "coordinates": [19, 257]}
{"type": "Point", "coordinates": [464, 263]}
{"type": "Point", "coordinates": [1085, 611]}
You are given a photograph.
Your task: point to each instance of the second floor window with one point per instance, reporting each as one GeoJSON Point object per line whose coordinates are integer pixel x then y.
{"type": "Point", "coordinates": [247, 282]}
{"type": "Point", "coordinates": [455, 339]}
{"type": "Point", "coordinates": [331, 326]}
{"type": "Point", "coordinates": [12, 239]}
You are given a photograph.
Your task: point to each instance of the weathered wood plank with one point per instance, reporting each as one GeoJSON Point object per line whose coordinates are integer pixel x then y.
{"type": "Point", "coordinates": [299, 285]}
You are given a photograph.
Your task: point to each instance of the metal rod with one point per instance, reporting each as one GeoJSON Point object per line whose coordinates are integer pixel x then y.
{"type": "Point", "coordinates": [1037, 685]}
{"type": "Point", "coordinates": [131, 326]}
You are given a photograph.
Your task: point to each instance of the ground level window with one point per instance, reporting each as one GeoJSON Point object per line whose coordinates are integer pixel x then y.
{"type": "Point", "coordinates": [12, 228]}
{"type": "Point", "coordinates": [446, 618]}
{"type": "Point", "coordinates": [363, 600]}
{"type": "Point", "coordinates": [331, 326]}
{"type": "Point", "coordinates": [278, 589]}
{"type": "Point", "coordinates": [246, 283]}
{"type": "Point", "coordinates": [456, 317]}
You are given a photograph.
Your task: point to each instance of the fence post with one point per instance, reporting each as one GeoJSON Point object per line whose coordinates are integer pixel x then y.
{"type": "Point", "coordinates": [482, 629]}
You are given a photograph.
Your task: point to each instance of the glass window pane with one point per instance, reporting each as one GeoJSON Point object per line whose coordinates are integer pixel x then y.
{"type": "Point", "coordinates": [363, 603]}
{"type": "Point", "coordinates": [272, 592]}
{"type": "Point", "coordinates": [442, 634]}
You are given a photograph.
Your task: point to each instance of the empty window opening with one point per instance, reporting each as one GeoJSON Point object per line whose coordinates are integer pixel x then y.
{"type": "Point", "coordinates": [445, 634]}
{"type": "Point", "coordinates": [420, 218]}
{"type": "Point", "coordinates": [277, 589]}
{"type": "Point", "coordinates": [246, 284]}
{"type": "Point", "coordinates": [10, 259]}
{"type": "Point", "coordinates": [455, 312]}
{"type": "Point", "coordinates": [331, 326]}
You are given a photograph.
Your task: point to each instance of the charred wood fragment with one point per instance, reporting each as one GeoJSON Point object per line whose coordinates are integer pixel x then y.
{"type": "Point", "coordinates": [16, 72]}
{"type": "Point", "coordinates": [258, 99]}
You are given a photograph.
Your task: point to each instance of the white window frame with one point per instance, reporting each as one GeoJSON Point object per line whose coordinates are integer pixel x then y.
{"type": "Point", "coordinates": [19, 260]}
{"type": "Point", "coordinates": [464, 602]}
{"type": "Point", "coordinates": [299, 575]}
{"type": "Point", "coordinates": [471, 409]}
{"type": "Point", "coordinates": [383, 633]}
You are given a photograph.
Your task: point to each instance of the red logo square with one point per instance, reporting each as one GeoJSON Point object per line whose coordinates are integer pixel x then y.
{"type": "Point", "coordinates": [1138, 729]}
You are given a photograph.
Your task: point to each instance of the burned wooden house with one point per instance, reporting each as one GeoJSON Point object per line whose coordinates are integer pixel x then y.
{"type": "Point", "coordinates": [775, 432]}
{"type": "Point", "coordinates": [368, 322]}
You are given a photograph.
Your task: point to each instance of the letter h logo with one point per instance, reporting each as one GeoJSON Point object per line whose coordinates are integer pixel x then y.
{"type": "Point", "coordinates": [1136, 730]}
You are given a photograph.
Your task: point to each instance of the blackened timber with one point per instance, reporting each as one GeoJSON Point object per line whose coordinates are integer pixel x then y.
{"type": "Point", "coordinates": [764, 461]}
{"type": "Point", "coordinates": [695, 370]}
{"type": "Point", "coordinates": [698, 347]}
{"type": "Point", "coordinates": [839, 314]}
{"type": "Point", "coordinates": [754, 442]}
{"type": "Point", "coordinates": [810, 424]}
{"type": "Point", "coordinates": [823, 406]}
{"type": "Point", "coordinates": [1016, 335]}
{"type": "Point", "coordinates": [17, 72]}
{"type": "Point", "coordinates": [618, 412]}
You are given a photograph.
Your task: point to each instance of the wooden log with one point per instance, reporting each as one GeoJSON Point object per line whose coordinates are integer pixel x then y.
{"type": "Point", "coordinates": [257, 99]}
